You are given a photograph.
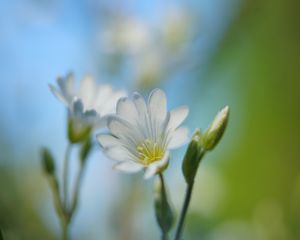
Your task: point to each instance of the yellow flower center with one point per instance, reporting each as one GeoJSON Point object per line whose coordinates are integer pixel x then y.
{"type": "Point", "coordinates": [149, 152]}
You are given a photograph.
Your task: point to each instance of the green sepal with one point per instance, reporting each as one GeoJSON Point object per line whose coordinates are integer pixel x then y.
{"type": "Point", "coordinates": [163, 211]}
{"type": "Point", "coordinates": [48, 162]}
{"type": "Point", "coordinates": [78, 131]}
{"type": "Point", "coordinates": [85, 149]}
{"type": "Point", "coordinates": [192, 157]}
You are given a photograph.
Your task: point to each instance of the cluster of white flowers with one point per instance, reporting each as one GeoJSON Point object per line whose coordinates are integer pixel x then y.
{"type": "Point", "coordinates": [89, 103]}
{"type": "Point", "coordinates": [140, 134]}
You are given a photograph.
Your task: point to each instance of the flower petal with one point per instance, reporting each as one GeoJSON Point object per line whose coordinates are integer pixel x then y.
{"type": "Point", "coordinates": [117, 153]}
{"type": "Point", "coordinates": [128, 166]}
{"type": "Point", "coordinates": [127, 110]}
{"type": "Point", "coordinates": [107, 140]}
{"type": "Point", "coordinates": [178, 138]}
{"type": "Point", "coordinates": [58, 95]}
{"type": "Point", "coordinates": [123, 129]}
{"type": "Point", "coordinates": [139, 103]}
{"type": "Point", "coordinates": [158, 104]}
{"type": "Point", "coordinates": [87, 91]}
{"type": "Point", "coordinates": [157, 166]}
{"type": "Point", "coordinates": [102, 95]}
{"type": "Point", "coordinates": [67, 86]}
{"type": "Point", "coordinates": [177, 116]}
{"type": "Point", "coordinates": [110, 103]}
{"type": "Point", "coordinates": [70, 84]}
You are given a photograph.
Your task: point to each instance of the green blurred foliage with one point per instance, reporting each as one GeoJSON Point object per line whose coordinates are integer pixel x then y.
{"type": "Point", "coordinates": [260, 57]}
{"type": "Point", "coordinates": [19, 218]}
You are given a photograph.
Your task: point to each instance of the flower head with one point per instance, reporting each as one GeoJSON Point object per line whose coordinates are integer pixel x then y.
{"type": "Point", "coordinates": [89, 103]}
{"type": "Point", "coordinates": [141, 134]}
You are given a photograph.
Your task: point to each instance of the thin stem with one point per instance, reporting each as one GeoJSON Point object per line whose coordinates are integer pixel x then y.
{"type": "Point", "coordinates": [77, 190]}
{"type": "Point", "coordinates": [184, 210]}
{"type": "Point", "coordinates": [164, 235]}
{"type": "Point", "coordinates": [56, 197]}
{"type": "Point", "coordinates": [65, 230]}
{"type": "Point", "coordinates": [65, 220]}
{"type": "Point", "coordinates": [59, 207]}
{"type": "Point", "coordinates": [66, 176]}
{"type": "Point", "coordinates": [61, 203]}
{"type": "Point", "coordinates": [163, 186]}
{"type": "Point", "coordinates": [186, 202]}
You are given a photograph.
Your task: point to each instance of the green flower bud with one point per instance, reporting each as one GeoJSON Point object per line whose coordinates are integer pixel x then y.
{"type": "Point", "coordinates": [85, 150]}
{"type": "Point", "coordinates": [163, 210]}
{"type": "Point", "coordinates": [192, 157]}
{"type": "Point", "coordinates": [215, 132]}
{"type": "Point", "coordinates": [78, 131]}
{"type": "Point", "coordinates": [47, 161]}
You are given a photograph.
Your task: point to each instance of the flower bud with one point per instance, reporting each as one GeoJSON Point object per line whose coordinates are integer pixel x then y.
{"type": "Point", "coordinates": [215, 132]}
{"type": "Point", "coordinates": [192, 157]}
{"type": "Point", "coordinates": [78, 131]}
{"type": "Point", "coordinates": [163, 211]}
{"type": "Point", "coordinates": [47, 161]}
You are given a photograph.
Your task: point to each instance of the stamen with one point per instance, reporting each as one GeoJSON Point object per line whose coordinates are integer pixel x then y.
{"type": "Point", "coordinates": [150, 151]}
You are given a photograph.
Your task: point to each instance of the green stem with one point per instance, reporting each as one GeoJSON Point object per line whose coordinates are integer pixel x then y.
{"type": "Point", "coordinates": [65, 231]}
{"type": "Point", "coordinates": [61, 203]}
{"type": "Point", "coordinates": [66, 177]}
{"type": "Point", "coordinates": [65, 219]}
{"type": "Point", "coordinates": [56, 197]}
{"type": "Point", "coordinates": [186, 202]}
{"type": "Point", "coordinates": [163, 186]}
{"type": "Point", "coordinates": [62, 214]}
{"type": "Point", "coordinates": [184, 210]}
{"type": "Point", "coordinates": [164, 235]}
{"type": "Point", "coordinates": [77, 190]}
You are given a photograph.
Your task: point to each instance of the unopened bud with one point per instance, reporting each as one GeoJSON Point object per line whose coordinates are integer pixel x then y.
{"type": "Point", "coordinates": [192, 157]}
{"type": "Point", "coordinates": [163, 211]}
{"type": "Point", "coordinates": [215, 132]}
{"type": "Point", "coordinates": [47, 161]}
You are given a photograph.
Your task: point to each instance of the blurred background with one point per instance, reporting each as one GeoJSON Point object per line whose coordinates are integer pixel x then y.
{"type": "Point", "coordinates": [205, 54]}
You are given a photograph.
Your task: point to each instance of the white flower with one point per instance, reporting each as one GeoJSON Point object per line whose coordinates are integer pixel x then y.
{"type": "Point", "coordinates": [90, 102]}
{"type": "Point", "coordinates": [141, 134]}
{"type": "Point", "coordinates": [126, 34]}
